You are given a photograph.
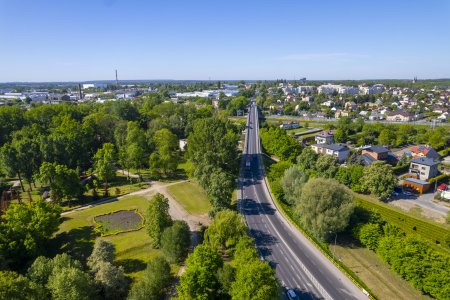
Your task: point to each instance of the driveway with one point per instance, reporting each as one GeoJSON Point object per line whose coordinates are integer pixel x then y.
{"type": "Point", "coordinates": [425, 201]}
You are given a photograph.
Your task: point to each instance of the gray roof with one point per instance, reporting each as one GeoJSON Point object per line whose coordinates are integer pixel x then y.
{"type": "Point", "coordinates": [334, 147]}
{"type": "Point", "coordinates": [367, 159]}
{"type": "Point", "coordinates": [424, 161]}
{"type": "Point", "coordinates": [377, 149]}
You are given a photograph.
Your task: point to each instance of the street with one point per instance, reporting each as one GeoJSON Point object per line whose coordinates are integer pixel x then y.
{"type": "Point", "coordinates": [298, 263]}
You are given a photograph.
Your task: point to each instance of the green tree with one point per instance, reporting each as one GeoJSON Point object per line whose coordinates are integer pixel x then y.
{"type": "Point", "coordinates": [292, 183]}
{"type": "Point", "coordinates": [44, 268]}
{"type": "Point", "coordinates": [199, 281]}
{"type": "Point", "coordinates": [369, 234]}
{"type": "Point", "coordinates": [386, 137]}
{"type": "Point", "coordinates": [219, 189]}
{"type": "Point", "coordinates": [325, 206]}
{"type": "Point", "coordinates": [25, 229]}
{"type": "Point", "coordinates": [165, 160]}
{"type": "Point", "coordinates": [254, 280]}
{"type": "Point", "coordinates": [110, 280]}
{"type": "Point", "coordinates": [379, 179]}
{"type": "Point", "coordinates": [158, 218]}
{"type": "Point", "coordinates": [70, 284]}
{"type": "Point", "coordinates": [155, 282]}
{"type": "Point", "coordinates": [63, 182]}
{"type": "Point", "coordinates": [326, 166]}
{"type": "Point", "coordinates": [340, 136]}
{"type": "Point", "coordinates": [225, 231]}
{"type": "Point", "coordinates": [226, 276]}
{"type": "Point", "coordinates": [307, 159]}
{"type": "Point", "coordinates": [14, 286]}
{"type": "Point", "coordinates": [175, 241]}
{"type": "Point", "coordinates": [103, 251]}
{"type": "Point", "coordinates": [10, 163]}
{"type": "Point", "coordinates": [104, 163]}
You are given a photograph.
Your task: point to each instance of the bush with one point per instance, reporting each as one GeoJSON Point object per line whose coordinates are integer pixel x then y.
{"type": "Point", "coordinates": [369, 234]}
{"type": "Point", "coordinates": [438, 178]}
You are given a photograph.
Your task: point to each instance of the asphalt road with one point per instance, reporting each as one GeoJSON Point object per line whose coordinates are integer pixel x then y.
{"type": "Point", "coordinates": [298, 263]}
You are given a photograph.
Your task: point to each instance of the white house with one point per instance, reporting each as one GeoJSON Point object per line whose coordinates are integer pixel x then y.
{"type": "Point", "coordinates": [339, 151]}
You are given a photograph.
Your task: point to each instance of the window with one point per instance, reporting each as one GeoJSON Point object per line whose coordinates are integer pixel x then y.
{"type": "Point", "coordinates": [423, 168]}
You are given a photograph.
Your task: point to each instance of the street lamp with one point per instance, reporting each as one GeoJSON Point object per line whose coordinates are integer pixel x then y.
{"type": "Point", "coordinates": [335, 239]}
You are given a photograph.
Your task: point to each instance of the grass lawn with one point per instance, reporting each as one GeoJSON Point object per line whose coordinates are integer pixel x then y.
{"type": "Point", "coordinates": [191, 196]}
{"type": "Point", "coordinates": [76, 236]}
{"type": "Point", "coordinates": [376, 274]}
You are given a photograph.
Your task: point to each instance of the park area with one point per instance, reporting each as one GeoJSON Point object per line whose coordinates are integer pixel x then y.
{"type": "Point", "coordinates": [191, 196]}
{"type": "Point", "coordinates": [77, 235]}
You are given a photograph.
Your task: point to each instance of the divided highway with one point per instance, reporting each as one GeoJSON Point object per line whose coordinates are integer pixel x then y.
{"type": "Point", "coordinates": [298, 263]}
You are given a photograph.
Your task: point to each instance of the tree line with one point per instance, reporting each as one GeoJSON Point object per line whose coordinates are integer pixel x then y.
{"type": "Point", "coordinates": [410, 256]}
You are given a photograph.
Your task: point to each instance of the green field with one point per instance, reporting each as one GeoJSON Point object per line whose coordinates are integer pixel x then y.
{"type": "Point", "coordinates": [375, 273]}
{"type": "Point", "coordinates": [409, 223]}
{"type": "Point", "coordinates": [191, 196]}
{"type": "Point", "coordinates": [76, 236]}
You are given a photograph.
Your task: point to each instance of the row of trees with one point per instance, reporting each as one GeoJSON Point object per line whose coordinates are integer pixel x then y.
{"type": "Point", "coordinates": [62, 277]}
{"type": "Point", "coordinates": [212, 148]}
{"type": "Point", "coordinates": [377, 179]}
{"type": "Point", "coordinates": [276, 142]}
{"type": "Point", "coordinates": [207, 276]}
{"type": "Point", "coordinates": [144, 133]}
{"type": "Point", "coordinates": [362, 133]}
{"type": "Point", "coordinates": [410, 256]}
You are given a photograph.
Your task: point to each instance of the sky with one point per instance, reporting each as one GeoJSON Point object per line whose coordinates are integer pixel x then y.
{"type": "Point", "coordinates": [82, 40]}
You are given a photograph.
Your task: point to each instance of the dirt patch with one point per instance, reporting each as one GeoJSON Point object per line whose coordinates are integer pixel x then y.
{"type": "Point", "coordinates": [120, 221]}
{"type": "Point", "coordinates": [418, 210]}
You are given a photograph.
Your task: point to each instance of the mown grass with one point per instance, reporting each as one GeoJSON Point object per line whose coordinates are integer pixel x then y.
{"type": "Point", "coordinates": [191, 196]}
{"type": "Point", "coordinates": [76, 236]}
{"type": "Point", "coordinates": [375, 273]}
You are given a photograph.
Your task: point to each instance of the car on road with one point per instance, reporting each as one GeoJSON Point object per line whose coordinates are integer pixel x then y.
{"type": "Point", "coordinates": [292, 295]}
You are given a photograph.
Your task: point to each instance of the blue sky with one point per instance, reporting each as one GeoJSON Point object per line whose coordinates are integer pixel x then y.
{"type": "Point", "coordinates": [189, 39]}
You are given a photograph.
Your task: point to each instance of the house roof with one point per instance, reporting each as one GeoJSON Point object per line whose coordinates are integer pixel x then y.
{"type": "Point", "coordinates": [400, 112]}
{"type": "Point", "coordinates": [425, 150]}
{"type": "Point", "coordinates": [334, 147]}
{"type": "Point", "coordinates": [326, 133]}
{"type": "Point", "coordinates": [367, 160]}
{"type": "Point", "coordinates": [377, 149]}
{"type": "Point", "coordinates": [424, 161]}
{"type": "Point", "coordinates": [416, 181]}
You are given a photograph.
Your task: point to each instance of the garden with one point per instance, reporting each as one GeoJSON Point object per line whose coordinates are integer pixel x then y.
{"type": "Point", "coordinates": [119, 222]}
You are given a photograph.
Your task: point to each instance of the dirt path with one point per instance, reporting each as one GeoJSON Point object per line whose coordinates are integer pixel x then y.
{"type": "Point", "coordinates": [156, 186]}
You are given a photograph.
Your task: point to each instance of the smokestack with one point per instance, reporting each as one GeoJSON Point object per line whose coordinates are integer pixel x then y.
{"type": "Point", "coordinates": [117, 80]}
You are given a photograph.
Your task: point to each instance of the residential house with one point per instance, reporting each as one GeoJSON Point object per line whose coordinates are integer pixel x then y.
{"type": "Point", "coordinates": [350, 105]}
{"type": "Point", "coordinates": [340, 151]}
{"type": "Point", "coordinates": [400, 116]}
{"type": "Point", "coordinates": [182, 143]}
{"type": "Point", "coordinates": [340, 113]}
{"type": "Point", "coordinates": [325, 137]}
{"type": "Point", "coordinates": [424, 168]}
{"type": "Point", "coordinates": [424, 151]}
{"type": "Point", "coordinates": [375, 153]}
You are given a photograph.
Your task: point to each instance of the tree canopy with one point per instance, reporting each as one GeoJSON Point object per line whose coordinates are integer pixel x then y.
{"type": "Point", "coordinates": [325, 206]}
